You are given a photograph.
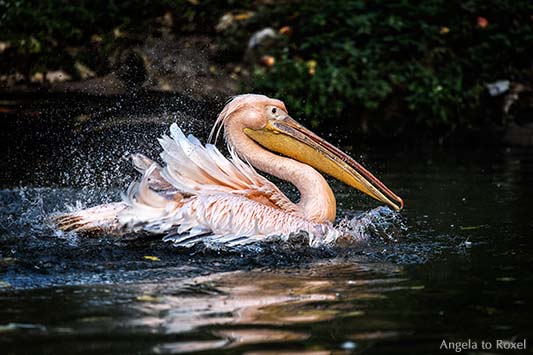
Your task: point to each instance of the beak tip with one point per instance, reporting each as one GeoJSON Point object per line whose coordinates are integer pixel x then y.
{"type": "Point", "coordinates": [397, 205]}
{"type": "Point", "coordinates": [401, 204]}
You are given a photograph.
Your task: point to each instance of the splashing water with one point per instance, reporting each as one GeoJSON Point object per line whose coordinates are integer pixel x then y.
{"type": "Point", "coordinates": [380, 222]}
{"type": "Point", "coordinates": [26, 212]}
{"type": "Point", "coordinates": [40, 255]}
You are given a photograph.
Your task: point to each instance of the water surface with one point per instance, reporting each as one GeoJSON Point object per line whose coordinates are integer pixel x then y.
{"type": "Point", "coordinates": [455, 266]}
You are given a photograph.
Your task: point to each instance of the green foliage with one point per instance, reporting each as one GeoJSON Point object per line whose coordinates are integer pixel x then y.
{"type": "Point", "coordinates": [347, 63]}
{"type": "Point", "coordinates": [53, 34]}
{"type": "Point", "coordinates": [425, 60]}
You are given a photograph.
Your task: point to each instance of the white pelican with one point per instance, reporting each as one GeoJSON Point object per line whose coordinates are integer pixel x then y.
{"type": "Point", "coordinates": [201, 195]}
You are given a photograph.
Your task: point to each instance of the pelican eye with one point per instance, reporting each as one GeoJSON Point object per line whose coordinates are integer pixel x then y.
{"type": "Point", "coordinates": [274, 112]}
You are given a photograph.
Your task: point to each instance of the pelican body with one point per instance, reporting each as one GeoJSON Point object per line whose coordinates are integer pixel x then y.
{"type": "Point", "coordinates": [199, 194]}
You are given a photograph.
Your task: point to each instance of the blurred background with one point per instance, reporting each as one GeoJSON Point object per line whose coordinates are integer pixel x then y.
{"type": "Point", "coordinates": [432, 71]}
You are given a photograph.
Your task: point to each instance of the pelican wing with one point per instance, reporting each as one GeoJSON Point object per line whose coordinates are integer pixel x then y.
{"type": "Point", "coordinates": [155, 181]}
{"type": "Point", "coordinates": [194, 169]}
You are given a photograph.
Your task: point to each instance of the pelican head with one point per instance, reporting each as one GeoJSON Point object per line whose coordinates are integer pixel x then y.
{"type": "Point", "coordinates": [267, 122]}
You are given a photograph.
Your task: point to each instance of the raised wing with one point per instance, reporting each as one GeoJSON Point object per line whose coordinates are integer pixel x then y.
{"type": "Point", "coordinates": [194, 169]}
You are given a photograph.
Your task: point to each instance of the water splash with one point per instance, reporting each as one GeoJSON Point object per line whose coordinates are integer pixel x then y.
{"type": "Point", "coordinates": [26, 212]}
{"type": "Point", "coordinates": [381, 222]}
{"type": "Point", "coordinates": [45, 256]}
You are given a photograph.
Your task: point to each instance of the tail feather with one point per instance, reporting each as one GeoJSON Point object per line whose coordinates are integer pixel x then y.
{"type": "Point", "coordinates": [102, 218]}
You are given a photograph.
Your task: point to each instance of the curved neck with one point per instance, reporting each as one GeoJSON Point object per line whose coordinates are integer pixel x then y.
{"type": "Point", "coordinates": [317, 201]}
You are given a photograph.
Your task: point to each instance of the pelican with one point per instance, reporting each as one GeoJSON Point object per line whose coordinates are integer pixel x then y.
{"type": "Point", "coordinates": [199, 194]}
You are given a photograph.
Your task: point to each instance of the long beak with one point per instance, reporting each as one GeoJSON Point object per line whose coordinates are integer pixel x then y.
{"type": "Point", "coordinates": [288, 137]}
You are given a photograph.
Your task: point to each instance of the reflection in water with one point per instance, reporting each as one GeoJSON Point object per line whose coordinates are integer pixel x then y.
{"type": "Point", "coordinates": [261, 306]}
{"type": "Point", "coordinates": [321, 308]}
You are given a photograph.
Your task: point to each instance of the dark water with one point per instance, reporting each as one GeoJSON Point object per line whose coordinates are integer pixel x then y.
{"type": "Point", "coordinates": [456, 266]}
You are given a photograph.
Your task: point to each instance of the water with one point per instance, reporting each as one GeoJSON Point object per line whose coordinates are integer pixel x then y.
{"type": "Point", "coordinates": [457, 267]}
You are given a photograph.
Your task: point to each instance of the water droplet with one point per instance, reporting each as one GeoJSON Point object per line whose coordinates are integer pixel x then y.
{"type": "Point", "coordinates": [349, 345]}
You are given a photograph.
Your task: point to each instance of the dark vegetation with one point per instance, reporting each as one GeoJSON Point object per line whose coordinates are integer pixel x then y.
{"type": "Point", "coordinates": [380, 67]}
{"type": "Point", "coordinates": [55, 34]}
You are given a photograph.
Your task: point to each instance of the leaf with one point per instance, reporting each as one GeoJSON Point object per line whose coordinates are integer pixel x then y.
{"type": "Point", "coordinates": [470, 228]}
{"type": "Point", "coordinates": [147, 298]}
{"type": "Point", "coordinates": [151, 258]}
